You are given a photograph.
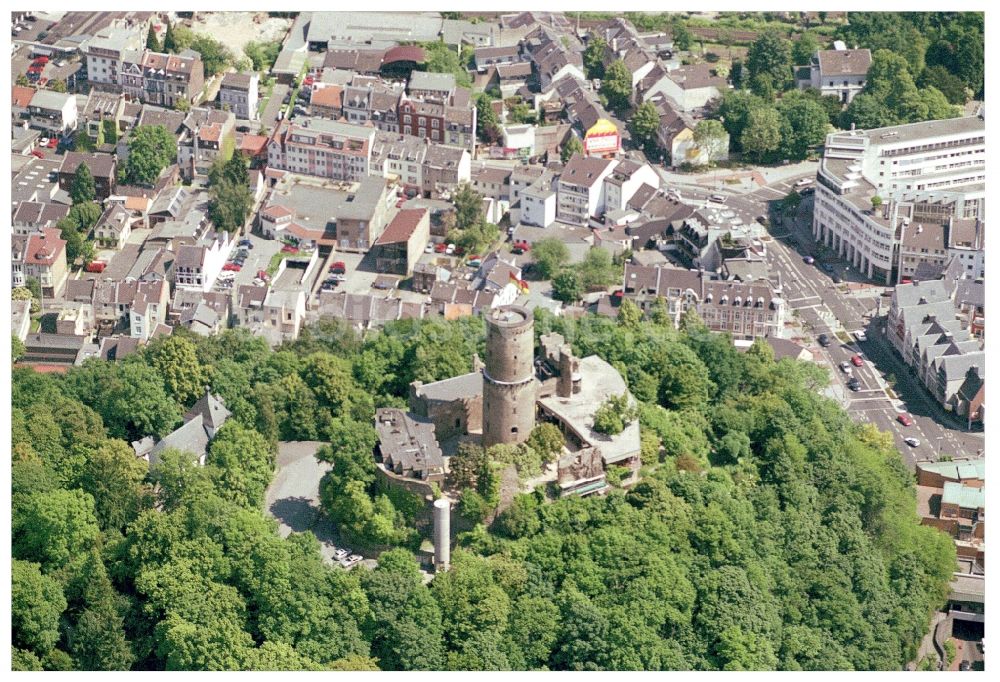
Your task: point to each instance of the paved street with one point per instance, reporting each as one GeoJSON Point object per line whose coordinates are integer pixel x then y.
{"type": "Point", "coordinates": [839, 310]}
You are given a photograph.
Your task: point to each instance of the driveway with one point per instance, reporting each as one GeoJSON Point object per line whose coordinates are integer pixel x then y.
{"type": "Point", "coordinates": [293, 496]}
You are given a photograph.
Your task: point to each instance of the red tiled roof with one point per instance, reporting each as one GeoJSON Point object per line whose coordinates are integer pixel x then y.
{"type": "Point", "coordinates": [210, 133]}
{"type": "Point", "coordinates": [44, 249]}
{"type": "Point", "coordinates": [21, 96]}
{"type": "Point", "coordinates": [253, 144]}
{"type": "Point", "coordinates": [402, 226]}
{"type": "Point", "coordinates": [275, 211]}
{"type": "Point", "coordinates": [330, 96]}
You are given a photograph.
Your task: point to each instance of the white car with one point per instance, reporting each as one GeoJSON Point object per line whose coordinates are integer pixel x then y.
{"type": "Point", "coordinates": [341, 554]}
{"type": "Point", "coordinates": [429, 248]}
{"type": "Point", "coordinates": [803, 182]}
{"type": "Point", "coordinates": [717, 198]}
{"type": "Point", "coordinates": [912, 442]}
{"type": "Point", "coordinates": [44, 142]}
{"type": "Point", "coordinates": [845, 367]}
{"type": "Point", "coordinates": [860, 335]}
{"type": "Point", "coordinates": [450, 249]}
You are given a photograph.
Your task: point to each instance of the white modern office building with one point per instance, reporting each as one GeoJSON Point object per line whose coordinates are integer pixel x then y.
{"type": "Point", "coordinates": [921, 172]}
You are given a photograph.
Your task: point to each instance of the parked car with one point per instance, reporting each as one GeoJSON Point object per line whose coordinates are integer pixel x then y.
{"type": "Point", "coordinates": [53, 143]}
{"type": "Point", "coordinates": [807, 191]}
{"type": "Point", "coordinates": [824, 340]}
{"type": "Point", "coordinates": [338, 268]}
{"type": "Point", "coordinates": [246, 243]}
{"type": "Point", "coordinates": [520, 247]}
{"type": "Point", "coordinates": [232, 267]}
{"type": "Point", "coordinates": [717, 198]}
{"type": "Point", "coordinates": [262, 274]}
{"type": "Point", "coordinates": [845, 367]}
{"type": "Point", "coordinates": [912, 442]}
{"type": "Point", "coordinates": [854, 384]}
{"type": "Point", "coordinates": [860, 335]}
{"type": "Point", "coordinates": [44, 142]}
{"type": "Point", "coordinates": [808, 260]}
{"type": "Point", "coordinates": [96, 266]}
{"type": "Point", "coordinates": [429, 248]}
{"type": "Point", "coordinates": [804, 182]}
{"type": "Point", "coordinates": [857, 361]}
{"type": "Point", "coordinates": [440, 248]}
{"type": "Point", "coordinates": [37, 154]}
{"type": "Point", "coordinates": [827, 267]}
{"type": "Point", "coordinates": [904, 419]}
{"type": "Point", "coordinates": [288, 248]}
{"type": "Point", "coordinates": [449, 249]}
{"type": "Point", "coordinates": [964, 666]}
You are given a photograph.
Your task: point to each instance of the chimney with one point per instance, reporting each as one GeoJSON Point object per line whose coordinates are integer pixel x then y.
{"type": "Point", "coordinates": [442, 534]}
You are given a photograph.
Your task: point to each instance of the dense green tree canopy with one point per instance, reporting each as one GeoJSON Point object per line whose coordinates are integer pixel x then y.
{"type": "Point", "coordinates": [151, 148]}
{"type": "Point", "coordinates": [768, 530]}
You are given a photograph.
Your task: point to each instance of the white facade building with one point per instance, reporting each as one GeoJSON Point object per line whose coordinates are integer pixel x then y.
{"type": "Point", "coordinates": [934, 170]}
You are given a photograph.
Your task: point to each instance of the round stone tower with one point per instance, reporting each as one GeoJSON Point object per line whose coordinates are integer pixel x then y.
{"type": "Point", "coordinates": [508, 376]}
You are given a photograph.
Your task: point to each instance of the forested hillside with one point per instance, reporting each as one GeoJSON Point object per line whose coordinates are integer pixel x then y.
{"type": "Point", "coordinates": [769, 531]}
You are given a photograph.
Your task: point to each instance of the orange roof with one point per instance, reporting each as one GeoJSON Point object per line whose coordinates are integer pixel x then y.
{"type": "Point", "coordinates": [21, 96]}
{"type": "Point", "coordinates": [44, 248]}
{"type": "Point", "coordinates": [253, 144]}
{"type": "Point", "coordinates": [137, 203]}
{"type": "Point", "coordinates": [330, 96]}
{"type": "Point", "coordinates": [402, 226]}
{"type": "Point", "coordinates": [210, 133]}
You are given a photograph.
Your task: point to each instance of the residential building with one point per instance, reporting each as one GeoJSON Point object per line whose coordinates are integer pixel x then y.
{"type": "Point", "coordinates": [198, 265]}
{"type": "Point", "coordinates": [747, 310]}
{"type": "Point", "coordinates": [327, 101]}
{"type": "Point", "coordinates": [328, 149]}
{"type": "Point", "coordinates": [238, 94]}
{"type": "Point", "coordinates": [34, 216]}
{"type": "Point", "coordinates": [555, 56]}
{"type": "Point", "coordinates": [538, 202]}
{"type": "Point", "coordinates": [675, 135]}
{"type": "Point", "coordinates": [924, 327]}
{"type": "Point", "coordinates": [162, 79]}
{"type": "Point", "coordinates": [966, 244]}
{"type": "Point", "coordinates": [105, 53]}
{"type": "Point", "coordinates": [399, 247]}
{"type": "Point", "coordinates": [201, 423]}
{"type": "Point", "coordinates": [839, 72]}
{"type": "Point", "coordinates": [41, 256]}
{"type": "Point", "coordinates": [102, 167]}
{"type": "Point", "coordinates": [921, 172]}
{"type": "Point", "coordinates": [432, 86]}
{"type": "Point", "coordinates": [580, 192]}
{"type": "Point", "coordinates": [691, 87]}
{"type": "Point", "coordinates": [53, 112]}
{"type": "Point", "coordinates": [625, 180]}
{"type": "Point", "coordinates": [113, 227]}
{"type": "Point", "coordinates": [103, 111]}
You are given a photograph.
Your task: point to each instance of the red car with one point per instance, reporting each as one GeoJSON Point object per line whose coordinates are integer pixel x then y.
{"type": "Point", "coordinates": [262, 274]}
{"type": "Point", "coordinates": [96, 266]}
{"type": "Point", "coordinates": [233, 267]}
{"type": "Point", "coordinates": [857, 361]}
{"type": "Point", "coordinates": [37, 154]}
{"type": "Point", "coordinates": [338, 268]}
{"type": "Point", "coordinates": [53, 142]}
{"type": "Point", "coordinates": [40, 60]}
{"type": "Point", "coordinates": [905, 419]}
{"type": "Point", "coordinates": [288, 248]}
{"type": "Point", "coordinates": [520, 247]}
{"type": "Point", "coordinates": [441, 248]}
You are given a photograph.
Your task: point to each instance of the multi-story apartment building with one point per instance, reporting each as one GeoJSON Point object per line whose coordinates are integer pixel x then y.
{"type": "Point", "coordinates": [160, 78]}
{"type": "Point", "coordinates": [747, 310]}
{"type": "Point", "coordinates": [839, 72]}
{"type": "Point", "coordinates": [580, 193]}
{"type": "Point", "coordinates": [238, 94]}
{"type": "Point", "coordinates": [929, 171]}
{"type": "Point", "coordinates": [328, 149]}
{"type": "Point", "coordinates": [41, 256]}
{"type": "Point", "coordinates": [105, 54]}
{"type": "Point", "coordinates": [54, 113]}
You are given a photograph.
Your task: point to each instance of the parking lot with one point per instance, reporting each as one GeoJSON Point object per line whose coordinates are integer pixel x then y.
{"type": "Point", "coordinates": [293, 499]}
{"type": "Point", "coordinates": [257, 259]}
